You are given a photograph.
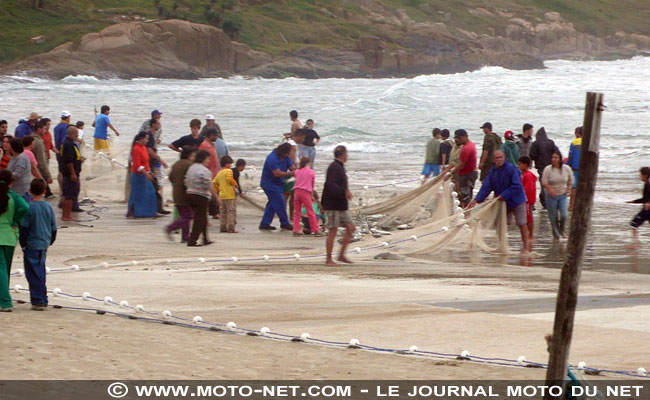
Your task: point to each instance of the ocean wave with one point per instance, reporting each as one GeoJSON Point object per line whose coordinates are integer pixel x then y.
{"type": "Point", "coordinates": [21, 79]}
{"type": "Point", "coordinates": [80, 78]}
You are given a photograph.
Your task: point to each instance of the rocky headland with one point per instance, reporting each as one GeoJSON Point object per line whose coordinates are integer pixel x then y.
{"type": "Point", "coordinates": [186, 50]}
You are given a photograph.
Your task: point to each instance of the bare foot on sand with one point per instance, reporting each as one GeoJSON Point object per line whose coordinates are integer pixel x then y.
{"type": "Point", "coordinates": [331, 263]}
{"type": "Point", "coordinates": [344, 259]}
{"type": "Point", "coordinates": [68, 219]}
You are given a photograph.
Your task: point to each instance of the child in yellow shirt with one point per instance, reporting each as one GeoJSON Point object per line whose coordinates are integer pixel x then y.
{"type": "Point", "coordinates": [225, 184]}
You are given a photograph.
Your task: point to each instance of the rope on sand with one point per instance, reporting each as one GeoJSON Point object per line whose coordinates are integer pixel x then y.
{"type": "Point", "coordinates": [198, 323]}
{"type": "Point", "coordinates": [265, 258]}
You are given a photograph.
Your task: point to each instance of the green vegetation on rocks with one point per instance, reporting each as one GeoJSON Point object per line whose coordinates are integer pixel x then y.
{"type": "Point", "coordinates": [281, 26]}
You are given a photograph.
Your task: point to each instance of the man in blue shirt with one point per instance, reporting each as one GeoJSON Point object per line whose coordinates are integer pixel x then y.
{"type": "Point", "coordinates": [26, 127]}
{"type": "Point", "coordinates": [574, 162]}
{"type": "Point", "coordinates": [504, 179]}
{"type": "Point", "coordinates": [277, 168]}
{"type": "Point", "coordinates": [60, 129]}
{"type": "Point", "coordinates": [101, 125]}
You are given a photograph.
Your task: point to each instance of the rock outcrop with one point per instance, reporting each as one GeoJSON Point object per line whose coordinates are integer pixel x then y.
{"type": "Point", "coordinates": [403, 47]}
{"type": "Point", "coordinates": [160, 49]}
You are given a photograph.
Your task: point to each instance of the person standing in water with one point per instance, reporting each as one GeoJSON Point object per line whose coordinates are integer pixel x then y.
{"type": "Point", "coordinates": [510, 148]}
{"type": "Point", "coordinates": [525, 140]}
{"type": "Point", "coordinates": [465, 167]}
{"type": "Point", "coordinates": [491, 143]}
{"type": "Point", "coordinates": [295, 124]}
{"type": "Point", "coordinates": [432, 156]}
{"type": "Point", "coordinates": [308, 146]}
{"type": "Point", "coordinates": [504, 180]}
{"type": "Point", "coordinates": [446, 145]}
{"type": "Point", "coordinates": [529, 181]}
{"type": "Point", "coordinates": [557, 180]}
{"type": "Point", "coordinates": [541, 152]}
{"type": "Point", "coordinates": [644, 214]}
{"type": "Point", "coordinates": [574, 162]}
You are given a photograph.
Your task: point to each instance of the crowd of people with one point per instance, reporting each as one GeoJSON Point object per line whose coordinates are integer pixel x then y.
{"type": "Point", "coordinates": [504, 168]}
{"type": "Point", "coordinates": [205, 182]}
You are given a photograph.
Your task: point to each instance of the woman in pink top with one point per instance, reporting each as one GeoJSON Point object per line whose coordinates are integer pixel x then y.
{"type": "Point", "coordinates": [302, 189]}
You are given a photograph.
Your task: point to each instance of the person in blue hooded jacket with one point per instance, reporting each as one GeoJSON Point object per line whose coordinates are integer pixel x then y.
{"type": "Point", "coordinates": [504, 179]}
{"type": "Point", "coordinates": [574, 162]}
{"type": "Point", "coordinates": [25, 127]}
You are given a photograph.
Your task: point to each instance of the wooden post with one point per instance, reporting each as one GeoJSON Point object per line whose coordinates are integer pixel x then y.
{"type": "Point", "coordinates": [567, 296]}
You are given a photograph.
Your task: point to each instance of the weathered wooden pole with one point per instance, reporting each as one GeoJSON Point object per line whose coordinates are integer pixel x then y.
{"type": "Point", "coordinates": [567, 296]}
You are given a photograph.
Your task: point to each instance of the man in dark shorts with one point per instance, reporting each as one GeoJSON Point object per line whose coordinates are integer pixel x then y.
{"type": "Point", "coordinates": [194, 139]}
{"type": "Point", "coordinates": [644, 214]}
{"type": "Point", "coordinates": [335, 202]}
{"type": "Point", "coordinates": [70, 168]}
{"type": "Point", "coordinates": [504, 179]}
{"type": "Point", "coordinates": [466, 168]}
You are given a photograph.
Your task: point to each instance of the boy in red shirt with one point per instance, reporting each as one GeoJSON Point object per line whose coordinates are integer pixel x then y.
{"type": "Point", "coordinates": [529, 181]}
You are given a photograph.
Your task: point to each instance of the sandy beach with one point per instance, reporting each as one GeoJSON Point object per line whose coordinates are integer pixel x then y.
{"type": "Point", "coordinates": [450, 302]}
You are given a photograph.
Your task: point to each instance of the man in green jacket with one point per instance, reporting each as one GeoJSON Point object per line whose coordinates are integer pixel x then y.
{"type": "Point", "coordinates": [432, 157]}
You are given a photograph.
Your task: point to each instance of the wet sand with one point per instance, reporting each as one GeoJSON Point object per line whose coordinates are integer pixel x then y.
{"type": "Point", "coordinates": [452, 301]}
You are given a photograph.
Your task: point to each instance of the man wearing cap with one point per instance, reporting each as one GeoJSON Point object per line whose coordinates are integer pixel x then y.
{"type": "Point", "coordinates": [101, 124]}
{"type": "Point", "coordinates": [574, 162]}
{"type": "Point", "coordinates": [510, 148]}
{"type": "Point", "coordinates": [491, 143]}
{"type": "Point", "coordinates": [525, 140]}
{"type": "Point", "coordinates": [209, 123]}
{"type": "Point", "coordinates": [26, 127]}
{"type": "Point", "coordinates": [60, 133]}
{"type": "Point", "coordinates": [504, 180]}
{"type": "Point", "coordinates": [146, 126]}
{"type": "Point", "coordinates": [465, 167]}
{"type": "Point", "coordinates": [70, 168]}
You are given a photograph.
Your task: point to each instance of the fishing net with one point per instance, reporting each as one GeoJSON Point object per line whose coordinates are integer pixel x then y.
{"type": "Point", "coordinates": [431, 216]}
{"type": "Point", "coordinates": [106, 175]}
{"type": "Point", "coordinates": [429, 201]}
{"type": "Point", "coordinates": [428, 218]}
